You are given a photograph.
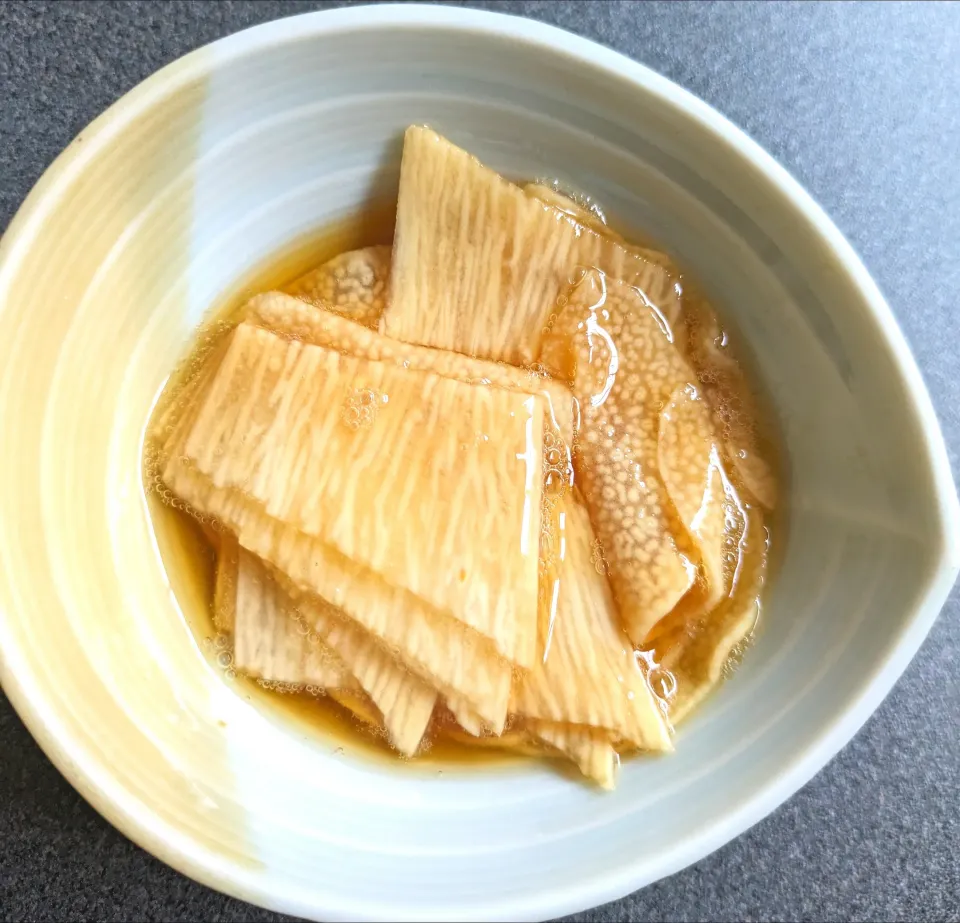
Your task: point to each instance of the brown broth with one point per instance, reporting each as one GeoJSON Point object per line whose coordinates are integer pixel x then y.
{"type": "Point", "coordinates": [190, 558]}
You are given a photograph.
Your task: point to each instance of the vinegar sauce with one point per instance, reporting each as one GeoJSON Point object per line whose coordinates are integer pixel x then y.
{"type": "Point", "coordinates": [613, 501]}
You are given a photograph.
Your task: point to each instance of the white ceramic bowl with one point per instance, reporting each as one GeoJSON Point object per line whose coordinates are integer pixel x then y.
{"type": "Point", "coordinates": [224, 158]}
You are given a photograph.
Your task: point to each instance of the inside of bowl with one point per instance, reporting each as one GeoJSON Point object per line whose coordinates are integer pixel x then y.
{"type": "Point", "coordinates": [232, 156]}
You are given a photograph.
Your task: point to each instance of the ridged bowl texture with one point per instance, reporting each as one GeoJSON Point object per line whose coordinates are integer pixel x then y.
{"type": "Point", "coordinates": [236, 152]}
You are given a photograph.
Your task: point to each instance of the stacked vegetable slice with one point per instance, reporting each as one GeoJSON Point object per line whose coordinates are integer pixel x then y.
{"type": "Point", "coordinates": [466, 482]}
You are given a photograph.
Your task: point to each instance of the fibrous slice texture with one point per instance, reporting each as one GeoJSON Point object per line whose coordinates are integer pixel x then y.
{"type": "Point", "coordinates": [698, 654]}
{"type": "Point", "coordinates": [517, 739]}
{"type": "Point", "coordinates": [695, 477]}
{"type": "Point", "coordinates": [616, 350]}
{"type": "Point", "coordinates": [303, 647]}
{"type": "Point", "coordinates": [456, 659]}
{"type": "Point", "coordinates": [360, 706]}
{"type": "Point", "coordinates": [453, 658]}
{"type": "Point", "coordinates": [273, 644]}
{"type": "Point", "coordinates": [591, 749]}
{"type": "Point", "coordinates": [582, 214]}
{"type": "Point", "coordinates": [290, 318]}
{"type": "Point", "coordinates": [405, 700]}
{"type": "Point", "coordinates": [729, 394]}
{"type": "Point", "coordinates": [589, 675]}
{"type": "Point", "coordinates": [478, 264]}
{"type": "Point", "coordinates": [188, 385]}
{"type": "Point", "coordinates": [666, 293]}
{"type": "Point", "coordinates": [268, 641]}
{"type": "Point", "coordinates": [353, 284]}
{"type": "Point", "coordinates": [429, 482]}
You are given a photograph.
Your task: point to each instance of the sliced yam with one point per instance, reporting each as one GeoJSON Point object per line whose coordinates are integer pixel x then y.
{"type": "Point", "coordinates": [452, 657]}
{"type": "Point", "coordinates": [411, 475]}
{"type": "Point", "coordinates": [169, 410]}
{"type": "Point", "coordinates": [753, 471]}
{"type": "Point", "coordinates": [269, 645]}
{"type": "Point", "coordinates": [188, 382]}
{"type": "Point", "coordinates": [460, 663]}
{"type": "Point", "coordinates": [169, 428]}
{"type": "Point", "coordinates": [615, 350]}
{"type": "Point", "coordinates": [518, 740]}
{"type": "Point", "coordinates": [170, 441]}
{"type": "Point", "coordinates": [588, 217]}
{"type": "Point", "coordinates": [668, 303]}
{"type": "Point", "coordinates": [353, 284]}
{"type": "Point", "coordinates": [478, 264]}
{"type": "Point", "coordinates": [329, 651]}
{"type": "Point", "coordinates": [405, 701]}
{"type": "Point", "coordinates": [733, 401]}
{"type": "Point", "coordinates": [590, 748]}
{"type": "Point", "coordinates": [465, 716]}
{"type": "Point", "coordinates": [589, 674]}
{"type": "Point", "coordinates": [693, 472]}
{"type": "Point", "coordinates": [225, 587]}
{"type": "Point", "coordinates": [268, 642]}
{"type": "Point", "coordinates": [705, 596]}
{"type": "Point", "coordinates": [359, 705]}
{"type": "Point", "coordinates": [591, 216]}
{"type": "Point", "coordinates": [696, 657]}
{"type": "Point", "coordinates": [288, 317]}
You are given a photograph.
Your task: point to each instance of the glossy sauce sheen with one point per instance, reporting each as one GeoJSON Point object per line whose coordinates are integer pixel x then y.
{"type": "Point", "coordinates": [190, 559]}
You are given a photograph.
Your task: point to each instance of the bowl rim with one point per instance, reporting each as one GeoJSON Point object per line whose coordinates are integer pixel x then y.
{"type": "Point", "coordinates": [580, 894]}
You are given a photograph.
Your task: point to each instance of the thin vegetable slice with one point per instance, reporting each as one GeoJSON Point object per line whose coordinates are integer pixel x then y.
{"type": "Point", "coordinates": [696, 481]}
{"type": "Point", "coordinates": [589, 674]}
{"type": "Point", "coordinates": [187, 383]}
{"type": "Point", "coordinates": [590, 748]}
{"type": "Point", "coordinates": [225, 587]}
{"type": "Point", "coordinates": [406, 703]}
{"type": "Point", "coordinates": [460, 661]}
{"type": "Point", "coordinates": [353, 284]}
{"type": "Point", "coordinates": [290, 318]}
{"type": "Point", "coordinates": [569, 206]}
{"type": "Point", "coordinates": [671, 298]}
{"type": "Point", "coordinates": [412, 475]}
{"type": "Point", "coordinates": [282, 637]}
{"type": "Point", "coordinates": [454, 658]}
{"type": "Point", "coordinates": [615, 350]}
{"type": "Point", "coordinates": [275, 640]}
{"type": "Point", "coordinates": [478, 264]}
{"type": "Point", "coordinates": [465, 716]}
{"type": "Point", "coordinates": [696, 657]}
{"type": "Point", "coordinates": [515, 739]}
{"type": "Point", "coordinates": [267, 642]}
{"type": "Point", "coordinates": [729, 394]}
{"type": "Point", "coordinates": [359, 705]}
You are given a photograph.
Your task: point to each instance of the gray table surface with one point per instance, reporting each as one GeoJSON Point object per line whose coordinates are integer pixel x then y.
{"type": "Point", "coordinates": [862, 104]}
